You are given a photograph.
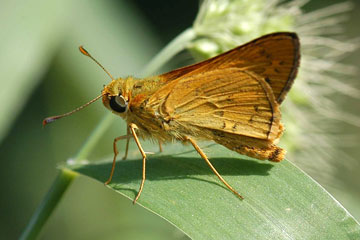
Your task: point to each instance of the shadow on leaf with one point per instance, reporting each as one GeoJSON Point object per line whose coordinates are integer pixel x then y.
{"type": "Point", "coordinates": [169, 167]}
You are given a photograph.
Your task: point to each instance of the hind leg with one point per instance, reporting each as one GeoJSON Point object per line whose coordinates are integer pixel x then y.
{"type": "Point", "coordinates": [202, 154]}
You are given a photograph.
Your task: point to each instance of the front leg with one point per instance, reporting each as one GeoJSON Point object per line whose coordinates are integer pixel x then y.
{"type": "Point", "coordinates": [127, 144]}
{"type": "Point", "coordinates": [127, 136]}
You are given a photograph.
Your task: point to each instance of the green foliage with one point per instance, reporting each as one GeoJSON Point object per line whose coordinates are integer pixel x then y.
{"type": "Point", "coordinates": [38, 45]}
{"type": "Point", "coordinates": [281, 202]}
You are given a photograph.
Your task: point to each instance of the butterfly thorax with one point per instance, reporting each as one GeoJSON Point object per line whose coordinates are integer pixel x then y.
{"type": "Point", "coordinates": [136, 92]}
{"type": "Point", "coordinates": [149, 119]}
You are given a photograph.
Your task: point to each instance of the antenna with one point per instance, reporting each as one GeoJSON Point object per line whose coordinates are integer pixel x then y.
{"type": "Point", "coordinates": [86, 53]}
{"type": "Point", "coordinates": [53, 118]}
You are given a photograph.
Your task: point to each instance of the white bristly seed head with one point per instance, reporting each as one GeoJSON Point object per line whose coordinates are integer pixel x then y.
{"type": "Point", "coordinates": [309, 112]}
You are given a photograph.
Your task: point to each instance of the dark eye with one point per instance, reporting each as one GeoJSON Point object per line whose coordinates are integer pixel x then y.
{"type": "Point", "coordinates": [118, 104]}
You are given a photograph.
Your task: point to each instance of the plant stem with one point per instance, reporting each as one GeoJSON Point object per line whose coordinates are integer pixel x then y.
{"type": "Point", "coordinates": [170, 50]}
{"type": "Point", "coordinates": [46, 207]}
{"type": "Point", "coordinates": [65, 177]}
{"type": "Point", "coordinates": [94, 137]}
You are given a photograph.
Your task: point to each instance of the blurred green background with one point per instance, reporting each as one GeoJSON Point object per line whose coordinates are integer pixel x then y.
{"type": "Point", "coordinates": [42, 73]}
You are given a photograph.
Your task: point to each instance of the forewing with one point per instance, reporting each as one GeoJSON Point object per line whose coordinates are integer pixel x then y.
{"type": "Point", "coordinates": [229, 100]}
{"type": "Point", "coordinates": [274, 57]}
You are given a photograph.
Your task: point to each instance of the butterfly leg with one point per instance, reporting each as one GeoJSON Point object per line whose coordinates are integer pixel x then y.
{"type": "Point", "coordinates": [202, 154]}
{"type": "Point", "coordinates": [127, 144]}
{"type": "Point", "coordinates": [132, 129]}
{"type": "Point", "coordinates": [160, 146]}
{"type": "Point", "coordinates": [115, 154]}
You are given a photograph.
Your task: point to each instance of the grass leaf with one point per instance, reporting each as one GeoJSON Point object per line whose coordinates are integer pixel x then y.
{"type": "Point", "coordinates": [281, 202]}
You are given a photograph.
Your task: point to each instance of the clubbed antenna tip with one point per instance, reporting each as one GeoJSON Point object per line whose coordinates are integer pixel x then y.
{"type": "Point", "coordinates": [53, 118]}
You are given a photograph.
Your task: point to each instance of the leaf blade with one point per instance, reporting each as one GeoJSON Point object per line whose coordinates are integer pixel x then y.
{"type": "Point", "coordinates": [281, 202]}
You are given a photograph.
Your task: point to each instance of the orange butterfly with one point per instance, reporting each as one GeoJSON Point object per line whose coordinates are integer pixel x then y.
{"type": "Point", "coordinates": [232, 99]}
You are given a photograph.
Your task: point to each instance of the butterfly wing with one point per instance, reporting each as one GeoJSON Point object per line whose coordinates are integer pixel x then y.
{"type": "Point", "coordinates": [274, 57]}
{"type": "Point", "coordinates": [227, 100]}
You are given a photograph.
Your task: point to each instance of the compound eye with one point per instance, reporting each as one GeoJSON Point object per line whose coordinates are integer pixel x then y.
{"type": "Point", "coordinates": [118, 104]}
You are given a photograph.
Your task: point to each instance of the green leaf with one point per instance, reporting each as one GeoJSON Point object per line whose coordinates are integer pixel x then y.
{"type": "Point", "coordinates": [281, 202]}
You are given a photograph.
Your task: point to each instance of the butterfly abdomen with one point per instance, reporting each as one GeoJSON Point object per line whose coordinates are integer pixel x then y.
{"type": "Point", "coordinates": [252, 147]}
{"type": "Point", "coordinates": [272, 153]}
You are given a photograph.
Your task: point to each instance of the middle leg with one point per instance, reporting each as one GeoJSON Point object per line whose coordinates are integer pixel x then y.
{"type": "Point", "coordinates": [132, 129]}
